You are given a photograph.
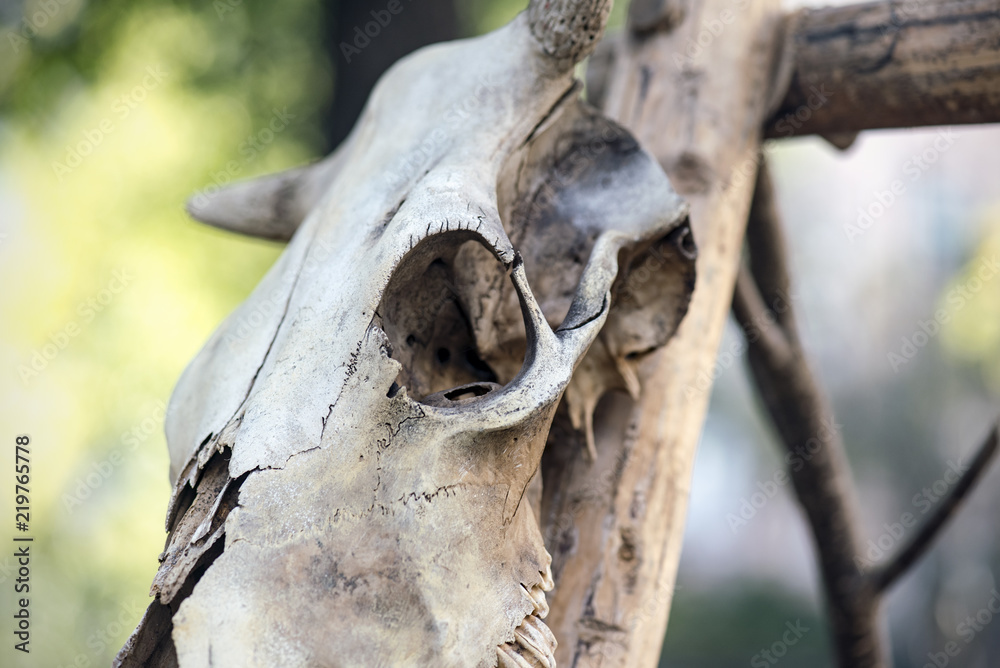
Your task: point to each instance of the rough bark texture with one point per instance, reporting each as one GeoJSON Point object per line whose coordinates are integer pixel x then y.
{"type": "Point", "coordinates": [891, 65]}
{"type": "Point", "coordinates": [615, 527]}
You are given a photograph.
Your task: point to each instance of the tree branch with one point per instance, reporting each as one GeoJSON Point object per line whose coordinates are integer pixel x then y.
{"type": "Point", "coordinates": [815, 454]}
{"type": "Point", "coordinates": [885, 576]}
{"type": "Point", "coordinates": [886, 64]}
{"type": "Point", "coordinates": [615, 526]}
{"type": "Point", "coordinates": [890, 65]}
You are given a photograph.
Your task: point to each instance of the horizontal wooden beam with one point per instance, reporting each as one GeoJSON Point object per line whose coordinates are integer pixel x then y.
{"type": "Point", "coordinates": [894, 64]}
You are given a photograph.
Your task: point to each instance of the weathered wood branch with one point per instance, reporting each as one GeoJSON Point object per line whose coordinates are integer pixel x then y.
{"type": "Point", "coordinates": [890, 64]}
{"type": "Point", "coordinates": [615, 526]}
{"type": "Point", "coordinates": [868, 66]}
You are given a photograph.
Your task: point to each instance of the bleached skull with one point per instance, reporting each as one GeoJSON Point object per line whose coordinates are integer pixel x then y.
{"type": "Point", "coordinates": [354, 449]}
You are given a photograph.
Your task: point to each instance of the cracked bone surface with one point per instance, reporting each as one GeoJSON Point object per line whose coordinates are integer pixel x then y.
{"type": "Point", "coordinates": [355, 449]}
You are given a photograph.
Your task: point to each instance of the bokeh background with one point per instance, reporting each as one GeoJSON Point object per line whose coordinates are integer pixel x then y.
{"type": "Point", "coordinates": [113, 112]}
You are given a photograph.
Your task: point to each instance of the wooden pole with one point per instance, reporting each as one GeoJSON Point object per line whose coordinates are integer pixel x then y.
{"type": "Point", "coordinates": [891, 65]}
{"type": "Point", "coordinates": [696, 97]}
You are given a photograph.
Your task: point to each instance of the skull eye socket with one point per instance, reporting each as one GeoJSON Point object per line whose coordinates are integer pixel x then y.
{"type": "Point", "coordinates": [427, 312]}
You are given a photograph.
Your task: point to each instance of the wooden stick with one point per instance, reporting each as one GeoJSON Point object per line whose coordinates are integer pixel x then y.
{"type": "Point", "coordinates": [890, 64]}
{"type": "Point", "coordinates": [615, 526]}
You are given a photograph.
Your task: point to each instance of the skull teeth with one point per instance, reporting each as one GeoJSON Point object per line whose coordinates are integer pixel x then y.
{"type": "Point", "coordinates": [508, 657]}
{"type": "Point", "coordinates": [533, 647]}
{"type": "Point", "coordinates": [540, 606]}
{"type": "Point", "coordinates": [547, 582]}
{"type": "Point", "coordinates": [540, 629]}
{"type": "Point", "coordinates": [535, 643]}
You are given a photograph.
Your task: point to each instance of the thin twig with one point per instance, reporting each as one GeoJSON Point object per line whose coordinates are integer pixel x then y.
{"type": "Point", "coordinates": [885, 576]}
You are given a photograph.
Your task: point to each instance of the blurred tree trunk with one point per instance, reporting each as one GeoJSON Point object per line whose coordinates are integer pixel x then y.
{"type": "Point", "coordinates": [359, 63]}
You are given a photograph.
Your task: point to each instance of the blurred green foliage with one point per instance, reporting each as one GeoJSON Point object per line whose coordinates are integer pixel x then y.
{"type": "Point", "coordinates": [713, 631]}
{"type": "Point", "coordinates": [971, 334]}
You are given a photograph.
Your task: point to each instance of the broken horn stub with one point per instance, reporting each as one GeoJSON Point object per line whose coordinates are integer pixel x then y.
{"type": "Point", "coordinates": [568, 30]}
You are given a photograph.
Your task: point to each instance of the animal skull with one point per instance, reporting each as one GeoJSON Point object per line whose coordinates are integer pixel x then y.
{"type": "Point", "coordinates": [355, 473]}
